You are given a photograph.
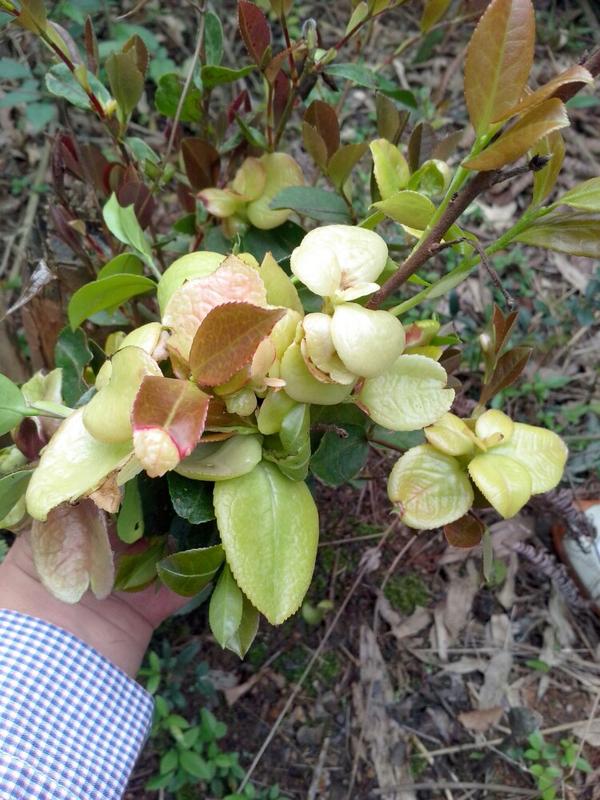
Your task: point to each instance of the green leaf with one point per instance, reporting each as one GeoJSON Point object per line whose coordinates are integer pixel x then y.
{"type": "Point", "coordinates": [213, 38]}
{"type": "Point", "coordinates": [123, 223]}
{"type": "Point", "coordinates": [11, 69]}
{"type": "Point", "coordinates": [124, 264]}
{"type": "Point", "coordinates": [142, 150]}
{"type": "Point", "coordinates": [571, 233]}
{"type": "Point", "coordinates": [244, 636]}
{"type": "Point", "coordinates": [130, 521]}
{"type": "Point", "coordinates": [106, 293]}
{"type": "Point", "coordinates": [269, 527]}
{"type": "Point", "coordinates": [126, 80]}
{"type": "Point", "coordinates": [168, 92]}
{"type": "Point", "coordinates": [195, 765]}
{"type": "Point", "coordinates": [409, 396]}
{"type": "Point", "coordinates": [61, 82]}
{"type": "Point", "coordinates": [189, 571]}
{"type": "Point", "coordinates": [12, 488]}
{"type": "Point", "coordinates": [408, 208]}
{"type": "Point", "coordinates": [363, 76]}
{"type": "Point", "coordinates": [340, 458]}
{"type": "Point", "coordinates": [213, 75]}
{"type": "Point", "coordinates": [72, 354]}
{"type": "Point", "coordinates": [192, 500]}
{"type": "Point", "coordinates": [135, 572]}
{"type": "Point", "coordinates": [12, 405]}
{"type": "Point", "coordinates": [315, 203]}
{"type": "Point", "coordinates": [226, 607]}
{"type": "Point", "coordinates": [278, 241]}
{"type": "Point", "coordinates": [430, 489]}
{"type": "Point", "coordinates": [343, 161]}
{"type": "Point", "coordinates": [499, 59]}
{"type": "Point", "coordinates": [585, 196]}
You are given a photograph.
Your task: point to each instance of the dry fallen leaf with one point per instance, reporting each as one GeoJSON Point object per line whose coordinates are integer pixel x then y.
{"type": "Point", "coordinates": [481, 720]}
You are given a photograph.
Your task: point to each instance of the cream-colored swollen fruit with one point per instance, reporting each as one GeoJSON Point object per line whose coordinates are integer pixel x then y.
{"type": "Point", "coordinates": [318, 347]}
{"type": "Point", "coordinates": [108, 414]}
{"type": "Point", "coordinates": [219, 461]}
{"type": "Point", "coordinates": [192, 265]}
{"type": "Point", "coordinates": [368, 342]}
{"type": "Point", "coordinates": [301, 386]}
{"type": "Point", "coordinates": [147, 337]}
{"type": "Point", "coordinates": [339, 258]}
{"type": "Point", "coordinates": [281, 171]}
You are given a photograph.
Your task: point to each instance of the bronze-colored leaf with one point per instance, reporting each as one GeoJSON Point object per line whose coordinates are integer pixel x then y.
{"type": "Point", "coordinates": [549, 116]}
{"type": "Point", "coordinates": [551, 147]}
{"type": "Point", "coordinates": [433, 11]}
{"type": "Point", "coordinates": [420, 145]}
{"type": "Point", "coordinates": [502, 326]}
{"type": "Point", "coordinates": [574, 75]}
{"type": "Point", "coordinates": [255, 30]}
{"type": "Point", "coordinates": [201, 162]}
{"type": "Point", "coordinates": [227, 340]}
{"type": "Point", "coordinates": [507, 370]}
{"type": "Point", "coordinates": [464, 532]}
{"type": "Point", "coordinates": [91, 45]}
{"type": "Point", "coordinates": [571, 233]}
{"type": "Point", "coordinates": [343, 162]}
{"type": "Point", "coordinates": [135, 45]}
{"type": "Point", "coordinates": [126, 80]}
{"type": "Point", "coordinates": [390, 121]}
{"type": "Point", "coordinates": [314, 145]}
{"type": "Point", "coordinates": [499, 59]}
{"type": "Point", "coordinates": [323, 118]}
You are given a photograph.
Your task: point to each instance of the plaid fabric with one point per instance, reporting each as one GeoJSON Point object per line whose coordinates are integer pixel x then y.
{"type": "Point", "coordinates": [71, 723]}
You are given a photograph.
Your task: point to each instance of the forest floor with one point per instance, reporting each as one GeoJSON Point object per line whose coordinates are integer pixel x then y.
{"type": "Point", "coordinates": [420, 675]}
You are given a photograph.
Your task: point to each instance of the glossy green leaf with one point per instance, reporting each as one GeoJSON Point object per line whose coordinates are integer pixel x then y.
{"type": "Point", "coordinates": [409, 396]}
{"type": "Point", "coordinates": [363, 76]}
{"type": "Point", "coordinates": [585, 196]}
{"type": "Point", "coordinates": [213, 38]}
{"type": "Point", "coordinates": [123, 223]}
{"type": "Point", "coordinates": [408, 208]}
{"type": "Point", "coordinates": [213, 75]}
{"type": "Point", "coordinates": [130, 521]}
{"type": "Point", "coordinates": [61, 82]}
{"type": "Point", "coordinates": [540, 451]}
{"type": "Point", "coordinates": [269, 527]}
{"type": "Point", "coordinates": [218, 461]}
{"type": "Point", "coordinates": [12, 405]}
{"type": "Point", "coordinates": [226, 608]}
{"type": "Point", "coordinates": [429, 488]}
{"type": "Point", "coordinates": [12, 489]}
{"type": "Point", "coordinates": [499, 59]}
{"type": "Point", "coordinates": [389, 167]}
{"type": "Point", "coordinates": [139, 570]}
{"type": "Point", "coordinates": [576, 234]}
{"type": "Point", "coordinates": [106, 293]}
{"type": "Point", "coordinates": [125, 79]}
{"type": "Point", "coordinates": [339, 457]}
{"type": "Point", "coordinates": [192, 499]}
{"type": "Point", "coordinates": [542, 120]}
{"type": "Point", "coordinates": [242, 639]}
{"type": "Point", "coordinates": [189, 571]}
{"type": "Point", "coordinates": [72, 354]}
{"type": "Point", "coordinates": [504, 482]}
{"type": "Point", "coordinates": [312, 202]}
{"type": "Point", "coordinates": [72, 465]}
{"type": "Point", "coordinates": [123, 264]}
{"type": "Point", "coordinates": [168, 92]}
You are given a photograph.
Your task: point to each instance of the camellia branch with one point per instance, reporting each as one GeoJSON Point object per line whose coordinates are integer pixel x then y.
{"type": "Point", "coordinates": [480, 183]}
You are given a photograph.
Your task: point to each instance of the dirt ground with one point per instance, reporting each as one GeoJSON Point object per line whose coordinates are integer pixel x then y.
{"type": "Point", "coordinates": [423, 681]}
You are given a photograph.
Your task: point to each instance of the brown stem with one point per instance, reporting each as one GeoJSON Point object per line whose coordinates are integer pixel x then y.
{"type": "Point", "coordinates": [288, 44]}
{"type": "Point", "coordinates": [481, 182]}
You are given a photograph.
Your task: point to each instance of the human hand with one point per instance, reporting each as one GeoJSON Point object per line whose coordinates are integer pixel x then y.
{"type": "Point", "coordinates": [119, 627]}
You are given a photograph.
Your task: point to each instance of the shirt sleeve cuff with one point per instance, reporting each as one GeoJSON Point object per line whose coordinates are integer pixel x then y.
{"type": "Point", "coordinates": [71, 723]}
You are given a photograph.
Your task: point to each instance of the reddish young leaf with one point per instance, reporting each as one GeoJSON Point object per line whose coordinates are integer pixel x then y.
{"type": "Point", "coordinates": [281, 93]}
{"type": "Point", "coordinates": [91, 45]}
{"type": "Point", "coordinates": [499, 59]}
{"type": "Point", "coordinates": [464, 532]}
{"type": "Point", "coordinates": [502, 326]}
{"type": "Point", "coordinates": [551, 115]}
{"type": "Point", "coordinates": [324, 120]}
{"type": "Point", "coordinates": [168, 420]}
{"type": "Point", "coordinates": [420, 145]}
{"type": "Point", "coordinates": [507, 370]}
{"type": "Point", "coordinates": [201, 161]}
{"type": "Point", "coordinates": [137, 194]}
{"type": "Point", "coordinates": [227, 340]}
{"type": "Point", "coordinates": [136, 44]}
{"type": "Point", "coordinates": [574, 75]}
{"type": "Point", "coordinates": [255, 30]}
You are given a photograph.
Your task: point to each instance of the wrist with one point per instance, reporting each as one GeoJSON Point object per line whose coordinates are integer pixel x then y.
{"type": "Point", "coordinates": [111, 626]}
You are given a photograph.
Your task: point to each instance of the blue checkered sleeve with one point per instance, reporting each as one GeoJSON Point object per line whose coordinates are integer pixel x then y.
{"type": "Point", "coordinates": [71, 723]}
